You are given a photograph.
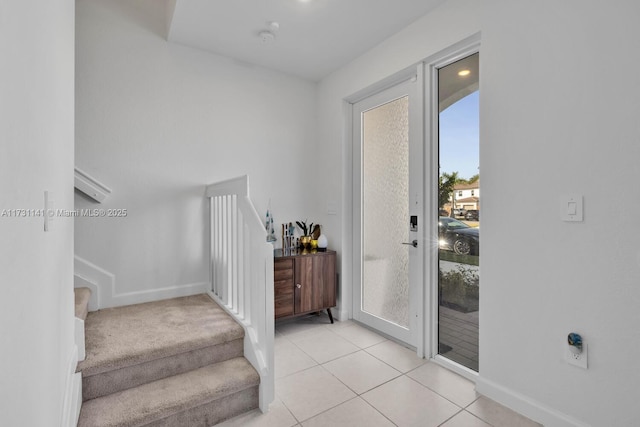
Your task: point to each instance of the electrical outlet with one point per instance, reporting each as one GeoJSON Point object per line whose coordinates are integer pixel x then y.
{"type": "Point", "coordinates": [579, 360]}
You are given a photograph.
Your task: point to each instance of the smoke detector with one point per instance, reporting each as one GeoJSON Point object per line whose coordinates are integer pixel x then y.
{"type": "Point", "coordinates": [266, 36]}
{"type": "Point", "coordinates": [273, 26]}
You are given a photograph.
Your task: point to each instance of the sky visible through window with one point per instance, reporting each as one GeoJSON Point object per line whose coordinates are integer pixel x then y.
{"type": "Point", "coordinates": [460, 137]}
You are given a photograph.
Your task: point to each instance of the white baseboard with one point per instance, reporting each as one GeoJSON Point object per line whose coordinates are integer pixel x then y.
{"type": "Point", "coordinates": [340, 315]}
{"type": "Point", "coordinates": [72, 400]}
{"type": "Point", "coordinates": [547, 416]}
{"type": "Point", "coordinates": [81, 282]}
{"type": "Point", "coordinates": [103, 288]}
{"type": "Point", "coordinates": [101, 282]}
{"type": "Point", "coordinates": [158, 294]}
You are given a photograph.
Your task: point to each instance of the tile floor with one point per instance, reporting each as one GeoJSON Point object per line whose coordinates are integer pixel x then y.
{"type": "Point", "coordinates": [346, 375]}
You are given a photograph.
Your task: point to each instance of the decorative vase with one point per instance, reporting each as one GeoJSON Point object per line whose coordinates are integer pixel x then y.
{"type": "Point", "coordinates": [305, 241]}
{"type": "Point", "coordinates": [322, 242]}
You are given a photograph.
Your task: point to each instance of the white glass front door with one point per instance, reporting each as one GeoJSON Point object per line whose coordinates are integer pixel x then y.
{"type": "Point", "coordinates": [387, 206]}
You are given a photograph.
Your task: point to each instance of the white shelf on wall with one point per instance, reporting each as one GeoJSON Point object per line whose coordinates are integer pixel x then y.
{"type": "Point", "coordinates": [90, 186]}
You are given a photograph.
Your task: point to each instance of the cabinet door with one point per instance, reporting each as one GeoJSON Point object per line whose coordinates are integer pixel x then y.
{"type": "Point", "coordinates": [315, 285]}
{"type": "Point", "coordinates": [283, 287]}
{"type": "Point", "coordinates": [308, 296]}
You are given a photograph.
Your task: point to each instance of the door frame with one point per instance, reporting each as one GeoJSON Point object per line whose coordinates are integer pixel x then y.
{"type": "Point", "coordinates": [422, 71]}
{"type": "Point", "coordinates": [432, 157]}
{"type": "Point", "coordinates": [413, 334]}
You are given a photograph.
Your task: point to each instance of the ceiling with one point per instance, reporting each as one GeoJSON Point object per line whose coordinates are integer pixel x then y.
{"type": "Point", "coordinates": [314, 38]}
{"type": "Point", "coordinates": [452, 87]}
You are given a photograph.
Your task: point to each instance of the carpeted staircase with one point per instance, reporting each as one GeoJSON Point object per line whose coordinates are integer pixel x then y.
{"type": "Point", "coordinates": [176, 362]}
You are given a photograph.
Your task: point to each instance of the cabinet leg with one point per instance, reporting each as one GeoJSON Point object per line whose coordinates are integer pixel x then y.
{"type": "Point", "coordinates": [330, 315]}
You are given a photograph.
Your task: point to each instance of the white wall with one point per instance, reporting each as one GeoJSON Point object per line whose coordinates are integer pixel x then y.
{"type": "Point", "coordinates": [559, 102]}
{"type": "Point", "coordinates": [156, 122]}
{"type": "Point", "coordinates": [36, 154]}
{"type": "Point", "coordinates": [559, 106]}
{"type": "Point", "coordinates": [559, 113]}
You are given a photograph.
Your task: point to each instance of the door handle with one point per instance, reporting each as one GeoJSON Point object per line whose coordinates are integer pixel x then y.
{"type": "Point", "coordinates": [414, 243]}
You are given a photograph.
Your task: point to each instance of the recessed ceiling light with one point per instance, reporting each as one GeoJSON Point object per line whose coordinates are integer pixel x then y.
{"type": "Point", "coordinates": [463, 73]}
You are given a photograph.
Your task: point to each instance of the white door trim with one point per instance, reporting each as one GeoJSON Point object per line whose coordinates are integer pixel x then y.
{"type": "Point", "coordinates": [413, 334]}
{"type": "Point", "coordinates": [456, 52]}
{"type": "Point", "coordinates": [345, 295]}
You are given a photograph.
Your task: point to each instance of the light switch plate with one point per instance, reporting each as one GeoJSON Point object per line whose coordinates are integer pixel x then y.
{"type": "Point", "coordinates": [571, 209]}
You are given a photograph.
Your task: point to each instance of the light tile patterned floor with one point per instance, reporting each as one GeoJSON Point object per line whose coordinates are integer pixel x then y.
{"type": "Point", "coordinates": [346, 375]}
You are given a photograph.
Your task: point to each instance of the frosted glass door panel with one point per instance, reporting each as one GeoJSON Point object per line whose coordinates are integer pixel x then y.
{"type": "Point", "coordinates": [385, 213]}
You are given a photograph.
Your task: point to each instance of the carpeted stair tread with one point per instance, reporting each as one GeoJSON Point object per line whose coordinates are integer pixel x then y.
{"type": "Point", "coordinates": [176, 397]}
{"type": "Point", "coordinates": [125, 336]}
{"type": "Point", "coordinates": [82, 296]}
{"type": "Point", "coordinates": [97, 385]}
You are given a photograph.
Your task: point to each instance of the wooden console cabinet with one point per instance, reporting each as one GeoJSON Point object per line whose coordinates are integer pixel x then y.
{"type": "Point", "coordinates": [304, 282]}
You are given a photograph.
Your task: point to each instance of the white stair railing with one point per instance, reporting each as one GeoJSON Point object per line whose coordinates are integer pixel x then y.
{"type": "Point", "coordinates": [241, 273]}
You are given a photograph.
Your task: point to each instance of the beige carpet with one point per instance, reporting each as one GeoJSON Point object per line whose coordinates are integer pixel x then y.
{"type": "Point", "coordinates": [166, 363]}
{"type": "Point", "coordinates": [194, 396]}
{"type": "Point", "coordinates": [125, 336]}
{"type": "Point", "coordinates": [82, 296]}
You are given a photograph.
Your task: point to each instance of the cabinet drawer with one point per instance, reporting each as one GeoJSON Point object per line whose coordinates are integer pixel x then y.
{"type": "Point", "coordinates": [279, 275]}
{"type": "Point", "coordinates": [282, 269]}
{"type": "Point", "coordinates": [281, 287]}
{"type": "Point", "coordinates": [283, 292]}
{"type": "Point", "coordinates": [283, 304]}
{"type": "Point", "coordinates": [283, 264]}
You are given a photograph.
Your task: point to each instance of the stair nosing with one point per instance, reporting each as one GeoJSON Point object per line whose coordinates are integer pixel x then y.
{"type": "Point", "coordinates": [142, 358]}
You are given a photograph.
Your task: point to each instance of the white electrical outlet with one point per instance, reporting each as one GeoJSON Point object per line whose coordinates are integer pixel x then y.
{"type": "Point", "coordinates": [577, 359]}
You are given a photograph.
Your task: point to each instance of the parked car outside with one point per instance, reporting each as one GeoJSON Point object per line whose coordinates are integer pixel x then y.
{"type": "Point", "coordinates": [458, 237]}
{"type": "Point", "coordinates": [472, 215]}
{"type": "Point", "coordinates": [459, 212]}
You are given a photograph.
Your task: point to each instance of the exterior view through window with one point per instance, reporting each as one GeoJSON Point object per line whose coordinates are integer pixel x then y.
{"type": "Point", "coordinates": [459, 211]}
